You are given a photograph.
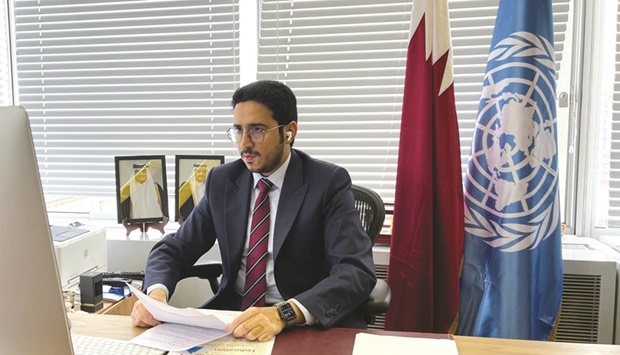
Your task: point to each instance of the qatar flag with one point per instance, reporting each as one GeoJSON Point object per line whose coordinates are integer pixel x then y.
{"type": "Point", "coordinates": [427, 230]}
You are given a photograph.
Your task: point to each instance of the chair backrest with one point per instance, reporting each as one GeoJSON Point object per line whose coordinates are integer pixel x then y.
{"type": "Point", "coordinates": [372, 210]}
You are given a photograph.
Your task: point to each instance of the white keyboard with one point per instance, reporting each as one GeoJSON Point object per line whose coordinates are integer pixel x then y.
{"type": "Point", "coordinates": [87, 345]}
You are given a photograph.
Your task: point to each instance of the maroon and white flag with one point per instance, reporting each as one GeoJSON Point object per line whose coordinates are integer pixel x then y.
{"type": "Point", "coordinates": [427, 234]}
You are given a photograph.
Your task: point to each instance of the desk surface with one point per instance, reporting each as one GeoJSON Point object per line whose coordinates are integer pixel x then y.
{"type": "Point", "coordinates": [340, 341]}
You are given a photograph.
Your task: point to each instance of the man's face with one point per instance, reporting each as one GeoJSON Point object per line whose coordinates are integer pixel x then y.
{"type": "Point", "coordinates": [141, 176]}
{"type": "Point", "coordinates": [267, 156]}
{"type": "Point", "coordinates": [200, 174]}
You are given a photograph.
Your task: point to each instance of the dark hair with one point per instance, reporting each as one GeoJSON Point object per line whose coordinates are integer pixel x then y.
{"type": "Point", "coordinates": [278, 97]}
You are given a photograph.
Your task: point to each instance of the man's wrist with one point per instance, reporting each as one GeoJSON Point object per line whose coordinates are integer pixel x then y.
{"type": "Point", "coordinates": [159, 295]}
{"type": "Point", "coordinates": [290, 314]}
{"type": "Point", "coordinates": [153, 287]}
{"type": "Point", "coordinates": [308, 317]}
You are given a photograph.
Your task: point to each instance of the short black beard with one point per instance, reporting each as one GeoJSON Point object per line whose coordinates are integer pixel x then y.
{"type": "Point", "coordinates": [270, 165]}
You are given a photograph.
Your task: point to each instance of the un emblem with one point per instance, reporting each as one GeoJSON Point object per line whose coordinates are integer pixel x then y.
{"type": "Point", "coordinates": [511, 186]}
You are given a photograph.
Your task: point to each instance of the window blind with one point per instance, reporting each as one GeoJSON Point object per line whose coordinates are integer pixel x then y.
{"type": "Point", "coordinates": [5, 57]}
{"type": "Point", "coordinates": [607, 138]}
{"type": "Point", "coordinates": [612, 156]}
{"type": "Point", "coordinates": [120, 78]}
{"type": "Point", "coordinates": [101, 79]}
{"type": "Point", "coordinates": [345, 61]}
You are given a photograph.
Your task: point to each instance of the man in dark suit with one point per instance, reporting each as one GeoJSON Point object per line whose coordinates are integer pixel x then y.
{"type": "Point", "coordinates": [319, 266]}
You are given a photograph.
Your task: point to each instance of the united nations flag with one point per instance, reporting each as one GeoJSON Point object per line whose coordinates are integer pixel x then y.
{"type": "Point", "coordinates": [511, 281]}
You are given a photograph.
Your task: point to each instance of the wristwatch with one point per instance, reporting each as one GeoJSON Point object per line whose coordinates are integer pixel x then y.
{"type": "Point", "coordinates": [286, 312]}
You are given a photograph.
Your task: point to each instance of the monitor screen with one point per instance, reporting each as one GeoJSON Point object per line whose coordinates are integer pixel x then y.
{"type": "Point", "coordinates": [32, 312]}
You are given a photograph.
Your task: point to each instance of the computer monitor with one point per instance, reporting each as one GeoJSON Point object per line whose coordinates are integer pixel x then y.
{"type": "Point", "coordinates": [32, 313]}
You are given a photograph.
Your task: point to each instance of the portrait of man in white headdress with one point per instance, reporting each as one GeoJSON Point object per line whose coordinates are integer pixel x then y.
{"type": "Point", "coordinates": [142, 196]}
{"type": "Point", "coordinates": [192, 174]}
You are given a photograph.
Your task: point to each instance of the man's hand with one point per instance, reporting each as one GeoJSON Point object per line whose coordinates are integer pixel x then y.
{"type": "Point", "coordinates": [257, 323]}
{"type": "Point", "coordinates": [140, 317]}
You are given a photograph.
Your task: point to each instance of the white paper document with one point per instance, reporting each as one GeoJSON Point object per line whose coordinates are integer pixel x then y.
{"type": "Point", "coordinates": [182, 328]}
{"type": "Point", "coordinates": [187, 316]}
{"type": "Point", "coordinates": [370, 344]}
{"type": "Point", "coordinates": [229, 346]}
{"type": "Point", "coordinates": [177, 337]}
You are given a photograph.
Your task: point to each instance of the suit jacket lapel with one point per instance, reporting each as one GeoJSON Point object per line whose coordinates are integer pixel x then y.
{"type": "Point", "coordinates": [291, 197]}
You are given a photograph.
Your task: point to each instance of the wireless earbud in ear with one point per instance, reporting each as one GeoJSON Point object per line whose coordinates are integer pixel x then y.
{"type": "Point", "coordinates": [289, 135]}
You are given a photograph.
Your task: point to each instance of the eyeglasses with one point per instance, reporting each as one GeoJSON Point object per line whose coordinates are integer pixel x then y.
{"type": "Point", "coordinates": [256, 134]}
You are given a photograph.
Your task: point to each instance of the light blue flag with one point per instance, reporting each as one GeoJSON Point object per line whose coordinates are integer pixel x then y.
{"type": "Point", "coordinates": [511, 281]}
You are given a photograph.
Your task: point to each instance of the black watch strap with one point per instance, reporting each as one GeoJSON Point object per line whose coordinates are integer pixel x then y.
{"type": "Point", "coordinates": [286, 312]}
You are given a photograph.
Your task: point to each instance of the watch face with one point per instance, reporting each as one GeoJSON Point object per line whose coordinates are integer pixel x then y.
{"type": "Point", "coordinates": [286, 312]}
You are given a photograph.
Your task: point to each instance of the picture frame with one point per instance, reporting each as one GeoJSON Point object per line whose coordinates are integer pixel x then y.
{"type": "Point", "coordinates": [141, 189]}
{"type": "Point", "coordinates": [191, 172]}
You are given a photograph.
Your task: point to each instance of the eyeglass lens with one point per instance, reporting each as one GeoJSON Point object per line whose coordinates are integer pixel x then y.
{"type": "Point", "coordinates": [257, 135]}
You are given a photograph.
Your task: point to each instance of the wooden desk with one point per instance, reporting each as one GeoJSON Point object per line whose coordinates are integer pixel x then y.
{"type": "Point", "coordinates": [339, 341]}
{"type": "Point", "coordinates": [103, 325]}
{"type": "Point", "coordinates": [120, 308]}
{"type": "Point", "coordinates": [476, 345]}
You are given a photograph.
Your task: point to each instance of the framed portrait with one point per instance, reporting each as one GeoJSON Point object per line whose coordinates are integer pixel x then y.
{"type": "Point", "coordinates": [191, 175]}
{"type": "Point", "coordinates": [141, 189]}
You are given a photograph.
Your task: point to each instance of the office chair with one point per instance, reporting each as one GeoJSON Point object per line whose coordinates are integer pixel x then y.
{"type": "Point", "coordinates": [372, 214]}
{"type": "Point", "coordinates": [372, 210]}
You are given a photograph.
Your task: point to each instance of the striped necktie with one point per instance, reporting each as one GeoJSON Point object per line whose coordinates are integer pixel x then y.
{"type": "Point", "coordinates": [256, 262]}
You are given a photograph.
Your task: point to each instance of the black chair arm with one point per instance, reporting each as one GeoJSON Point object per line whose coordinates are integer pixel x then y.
{"type": "Point", "coordinates": [209, 270]}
